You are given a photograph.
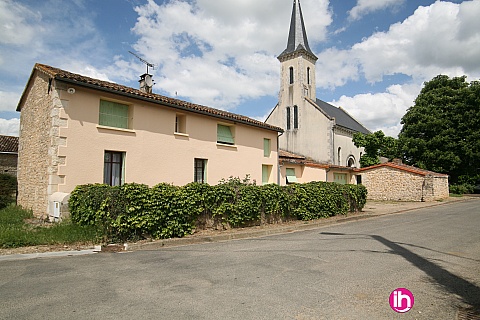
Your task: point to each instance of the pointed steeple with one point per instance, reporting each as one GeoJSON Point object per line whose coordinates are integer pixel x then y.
{"type": "Point", "coordinates": [297, 37]}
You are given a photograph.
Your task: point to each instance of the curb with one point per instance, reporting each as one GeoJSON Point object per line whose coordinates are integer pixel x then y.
{"type": "Point", "coordinates": [191, 240]}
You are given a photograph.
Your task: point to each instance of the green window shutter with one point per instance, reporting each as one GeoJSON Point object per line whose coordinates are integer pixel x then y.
{"type": "Point", "coordinates": [224, 134]}
{"type": "Point", "coordinates": [264, 174]}
{"type": "Point", "coordinates": [291, 177]}
{"type": "Point", "coordinates": [266, 147]}
{"type": "Point", "coordinates": [113, 114]}
{"type": "Point", "coordinates": [340, 178]}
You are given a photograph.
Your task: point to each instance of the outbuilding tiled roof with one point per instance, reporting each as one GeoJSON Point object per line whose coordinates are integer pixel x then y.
{"type": "Point", "coordinates": [8, 144]}
{"type": "Point", "coordinates": [77, 79]}
{"type": "Point", "coordinates": [404, 167]}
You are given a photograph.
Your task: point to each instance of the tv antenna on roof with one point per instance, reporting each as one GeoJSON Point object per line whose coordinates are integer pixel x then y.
{"type": "Point", "coordinates": [148, 64]}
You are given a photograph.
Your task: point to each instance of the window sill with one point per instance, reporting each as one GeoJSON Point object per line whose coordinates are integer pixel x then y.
{"type": "Point", "coordinates": [179, 134]}
{"type": "Point", "coordinates": [231, 146]}
{"type": "Point", "coordinates": [115, 129]}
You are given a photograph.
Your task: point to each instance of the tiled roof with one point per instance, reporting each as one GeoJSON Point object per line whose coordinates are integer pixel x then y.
{"type": "Point", "coordinates": [77, 79]}
{"type": "Point", "coordinates": [342, 118]}
{"type": "Point", "coordinates": [8, 144]}
{"type": "Point", "coordinates": [286, 154]}
{"type": "Point", "coordinates": [404, 167]}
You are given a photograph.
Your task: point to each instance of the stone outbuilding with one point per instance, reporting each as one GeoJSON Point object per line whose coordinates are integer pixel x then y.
{"type": "Point", "coordinates": [395, 181]}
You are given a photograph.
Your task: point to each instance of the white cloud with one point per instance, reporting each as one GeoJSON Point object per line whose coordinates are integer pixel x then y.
{"type": "Point", "coordinates": [381, 111]}
{"type": "Point", "coordinates": [230, 45]}
{"type": "Point", "coordinates": [9, 100]}
{"type": "Point", "coordinates": [9, 127]}
{"type": "Point", "coordinates": [365, 7]}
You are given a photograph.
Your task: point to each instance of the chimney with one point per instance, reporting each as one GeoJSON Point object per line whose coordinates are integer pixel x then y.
{"type": "Point", "coordinates": [146, 83]}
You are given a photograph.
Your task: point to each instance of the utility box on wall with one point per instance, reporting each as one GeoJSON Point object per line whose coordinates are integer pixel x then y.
{"type": "Point", "coordinates": [58, 206]}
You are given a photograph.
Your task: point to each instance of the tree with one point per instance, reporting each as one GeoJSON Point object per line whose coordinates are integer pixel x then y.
{"type": "Point", "coordinates": [441, 132]}
{"type": "Point", "coordinates": [376, 145]}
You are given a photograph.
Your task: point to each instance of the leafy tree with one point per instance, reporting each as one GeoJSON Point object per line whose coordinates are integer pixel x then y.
{"type": "Point", "coordinates": [8, 187]}
{"type": "Point", "coordinates": [441, 132]}
{"type": "Point", "coordinates": [376, 145]}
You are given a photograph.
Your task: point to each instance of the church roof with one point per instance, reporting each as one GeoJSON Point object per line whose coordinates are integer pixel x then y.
{"type": "Point", "coordinates": [297, 37]}
{"type": "Point", "coordinates": [342, 118]}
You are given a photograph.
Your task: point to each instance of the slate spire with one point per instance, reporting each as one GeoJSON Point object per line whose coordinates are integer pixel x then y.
{"type": "Point", "coordinates": [297, 37]}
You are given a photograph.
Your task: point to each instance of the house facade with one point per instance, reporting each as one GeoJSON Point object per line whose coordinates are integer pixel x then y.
{"type": "Point", "coordinates": [76, 130]}
{"type": "Point", "coordinates": [313, 128]}
{"type": "Point", "coordinates": [8, 155]}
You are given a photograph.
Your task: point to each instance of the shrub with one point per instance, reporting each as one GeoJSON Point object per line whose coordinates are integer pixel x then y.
{"type": "Point", "coordinates": [8, 189]}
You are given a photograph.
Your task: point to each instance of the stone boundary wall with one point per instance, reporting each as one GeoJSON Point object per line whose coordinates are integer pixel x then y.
{"type": "Point", "coordinates": [8, 163]}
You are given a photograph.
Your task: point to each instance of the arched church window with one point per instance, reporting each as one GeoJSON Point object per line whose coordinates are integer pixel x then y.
{"type": "Point", "coordinates": [308, 75]}
{"type": "Point", "coordinates": [291, 75]}
{"type": "Point", "coordinates": [351, 162]}
{"type": "Point", "coordinates": [288, 118]}
{"type": "Point", "coordinates": [295, 117]}
{"type": "Point", "coordinates": [339, 153]}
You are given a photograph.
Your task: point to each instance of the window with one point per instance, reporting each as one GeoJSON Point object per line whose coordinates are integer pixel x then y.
{"type": "Point", "coordinates": [291, 177]}
{"type": "Point", "coordinates": [180, 123]}
{"type": "Point", "coordinates": [267, 147]}
{"type": "Point", "coordinates": [291, 75]}
{"type": "Point", "coordinates": [288, 119]}
{"type": "Point", "coordinates": [340, 178]}
{"type": "Point", "coordinates": [359, 179]}
{"type": "Point", "coordinates": [224, 135]}
{"type": "Point", "coordinates": [308, 75]}
{"type": "Point", "coordinates": [339, 154]}
{"type": "Point", "coordinates": [295, 117]}
{"type": "Point", "coordinates": [113, 168]}
{"type": "Point", "coordinates": [113, 114]}
{"type": "Point", "coordinates": [266, 172]}
{"type": "Point", "coordinates": [200, 170]}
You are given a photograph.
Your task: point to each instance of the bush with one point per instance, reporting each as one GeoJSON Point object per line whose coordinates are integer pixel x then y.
{"type": "Point", "coordinates": [8, 189]}
{"type": "Point", "coordinates": [135, 211]}
{"type": "Point", "coordinates": [461, 188]}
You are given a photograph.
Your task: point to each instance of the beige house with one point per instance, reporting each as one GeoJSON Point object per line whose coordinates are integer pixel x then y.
{"type": "Point", "coordinates": [313, 128]}
{"type": "Point", "coordinates": [76, 130]}
{"type": "Point", "coordinates": [8, 155]}
{"type": "Point", "coordinates": [399, 182]}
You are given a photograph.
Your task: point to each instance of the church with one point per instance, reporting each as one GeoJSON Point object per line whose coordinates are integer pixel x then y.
{"type": "Point", "coordinates": [315, 132]}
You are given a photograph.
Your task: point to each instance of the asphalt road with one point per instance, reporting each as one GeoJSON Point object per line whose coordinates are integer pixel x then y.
{"type": "Point", "coordinates": [342, 271]}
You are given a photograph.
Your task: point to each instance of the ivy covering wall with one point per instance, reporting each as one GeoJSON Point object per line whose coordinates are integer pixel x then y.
{"type": "Point", "coordinates": [136, 211]}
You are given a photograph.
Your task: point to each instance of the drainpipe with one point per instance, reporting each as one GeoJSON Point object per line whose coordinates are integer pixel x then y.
{"type": "Point", "coordinates": [278, 158]}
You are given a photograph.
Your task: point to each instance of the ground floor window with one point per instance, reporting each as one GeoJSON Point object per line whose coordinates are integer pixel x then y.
{"type": "Point", "coordinates": [340, 178]}
{"type": "Point", "coordinates": [266, 173]}
{"type": "Point", "coordinates": [291, 176]}
{"type": "Point", "coordinates": [200, 170]}
{"type": "Point", "coordinates": [113, 168]}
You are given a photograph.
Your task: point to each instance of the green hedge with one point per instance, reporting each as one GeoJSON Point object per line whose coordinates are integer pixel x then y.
{"type": "Point", "coordinates": [136, 211]}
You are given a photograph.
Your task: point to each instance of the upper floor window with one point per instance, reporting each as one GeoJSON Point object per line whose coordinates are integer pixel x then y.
{"type": "Point", "coordinates": [291, 75]}
{"type": "Point", "coordinates": [288, 118]}
{"type": "Point", "coordinates": [267, 147]}
{"type": "Point", "coordinates": [308, 75]}
{"type": "Point", "coordinates": [225, 134]}
{"type": "Point", "coordinates": [180, 123]}
{"type": "Point", "coordinates": [113, 114]}
{"type": "Point", "coordinates": [295, 117]}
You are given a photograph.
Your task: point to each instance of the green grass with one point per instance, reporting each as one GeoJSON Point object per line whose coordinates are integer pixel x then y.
{"type": "Point", "coordinates": [16, 232]}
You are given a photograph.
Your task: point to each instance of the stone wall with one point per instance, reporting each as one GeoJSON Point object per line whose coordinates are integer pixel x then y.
{"type": "Point", "coordinates": [386, 183]}
{"type": "Point", "coordinates": [8, 163]}
{"type": "Point", "coordinates": [34, 150]}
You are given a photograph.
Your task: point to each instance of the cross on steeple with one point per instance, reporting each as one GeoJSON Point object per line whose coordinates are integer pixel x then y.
{"type": "Point", "coordinates": [297, 37]}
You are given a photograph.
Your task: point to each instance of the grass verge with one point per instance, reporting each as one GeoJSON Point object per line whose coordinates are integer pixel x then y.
{"type": "Point", "coordinates": [15, 231]}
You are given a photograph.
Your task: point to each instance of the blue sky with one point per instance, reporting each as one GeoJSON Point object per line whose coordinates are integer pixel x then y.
{"type": "Point", "coordinates": [374, 55]}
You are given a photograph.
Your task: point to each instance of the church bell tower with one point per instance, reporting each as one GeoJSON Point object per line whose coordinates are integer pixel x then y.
{"type": "Point", "coordinates": [297, 71]}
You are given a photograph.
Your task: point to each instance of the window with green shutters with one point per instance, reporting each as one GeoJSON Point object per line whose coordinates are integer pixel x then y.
{"type": "Point", "coordinates": [291, 177]}
{"type": "Point", "coordinates": [113, 114]}
{"type": "Point", "coordinates": [267, 147]}
{"type": "Point", "coordinates": [266, 172]}
{"type": "Point", "coordinates": [224, 135]}
{"type": "Point", "coordinates": [340, 178]}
